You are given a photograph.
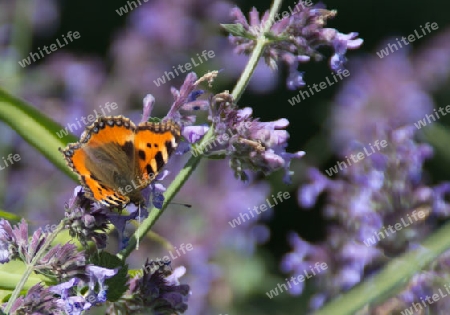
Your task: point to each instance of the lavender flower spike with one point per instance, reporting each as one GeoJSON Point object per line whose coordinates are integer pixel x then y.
{"type": "Point", "coordinates": [38, 301]}
{"type": "Point", "coordinates": [292, 39]}
{"type": "Point", "coordinates": [251, 144]}
{"type": "Point", "coordinates": [86, 220]}
{"type": "Point", "coordinates": [156, 289]}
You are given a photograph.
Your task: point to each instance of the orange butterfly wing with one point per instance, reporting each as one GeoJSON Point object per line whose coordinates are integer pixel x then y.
{"type": "Point", "coordinates": [97, 149]}
{"type": "Point", "coordinates": [154, 144]}
{"type": "Point", "coordinates": [113, 152]}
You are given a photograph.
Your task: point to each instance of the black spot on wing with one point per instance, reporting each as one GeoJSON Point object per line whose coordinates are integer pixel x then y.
{"type": "Point", "coordinates": [149, 145]}
{"type": "Point", "coordinates": [169, 147]}
{"type": "Point", "coordinates": [149, 169]}
{"type": "Point", "coordinates": [128, 148]}
{"type": "Point", "coordinates": [141, 154]}
{"type": "Point", "coordinates": [159, 160]}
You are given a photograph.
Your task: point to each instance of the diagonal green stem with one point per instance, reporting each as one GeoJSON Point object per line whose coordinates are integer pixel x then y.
{"type": "Point", "coordinates": [192, 163]}
{"type": "Point", "coordinates": [392, 277]}
{"type": "Point", "coordinates": [245, 77]}
{"type": "Point", "coordinates": [155, 213]}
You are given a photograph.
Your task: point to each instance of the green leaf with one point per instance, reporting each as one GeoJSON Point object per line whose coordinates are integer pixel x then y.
{"type": "Point", "coordinates": [11, 273]}
{"type": "Point", "coordinates": [154, 119]}
{"type": "Point", "coordinates": [117, 285]}
{"type": "Point", "coordinates": [238, 30]}
{"type": "Point", "coordinates": [9, 216]}
{"type": "Point", "coordinates": [35, 128]}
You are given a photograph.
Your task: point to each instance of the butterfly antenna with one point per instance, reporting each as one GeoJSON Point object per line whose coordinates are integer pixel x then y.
{"type": "Point", "coordinates": [187, 205]}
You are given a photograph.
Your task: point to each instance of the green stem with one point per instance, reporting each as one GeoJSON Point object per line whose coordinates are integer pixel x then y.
{"type": "Point", "coordinates": [155, 213]}
{"type": "Point", "coordinates": [256, 54]}
{"type": "Point", "coordinates": [192, 163]}
{"type": "Point", "coordinates": [30, 267]}
{"type": "Point", "coordinates": [392, 277]}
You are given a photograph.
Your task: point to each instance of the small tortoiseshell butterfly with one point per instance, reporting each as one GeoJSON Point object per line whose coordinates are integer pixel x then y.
{"type": "Point", "coordinates": [115, 159]}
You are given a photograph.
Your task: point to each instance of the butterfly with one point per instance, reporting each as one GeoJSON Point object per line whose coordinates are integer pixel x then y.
{"type": "Point", "coordinates": [115, 159]}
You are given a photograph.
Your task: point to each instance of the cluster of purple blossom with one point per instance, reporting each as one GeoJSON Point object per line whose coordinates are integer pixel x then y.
{"type": "Point", "coordinates": [365, 197]}
{"type": "Point", "coordinates": [294, 39]}
{"type": "Point", "coordinates": [384, 99]}
{"type": "Point", "coordinates": [74, 282]}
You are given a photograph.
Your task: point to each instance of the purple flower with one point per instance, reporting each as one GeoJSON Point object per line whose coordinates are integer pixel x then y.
{"type": "Point", "coordinates": [194, 133]}
{"type": "Point", "coordinates": [157, 195]}
{"type": "Point", "coordinates": [63, 289]}
{"type": "Point", "coordinates": [40, 300]}
{"type": "Point", "coordinates": [63, 262]}
{"type": "Point", "coordinates": [37, 301]}
{"type": "Point", "coordinates": [97, 276]}
{"type": "Point", "coordinates": [148, 103]}
{"type": "Point", "coordinates": [7, 249]}
{"type": "Point", "coordinates": [69, 300]}
{"type": "Point", "coordinates": [380, 94]}
{"type": "Point", "coordinates": [250, 144]}
{"type": "Point", "coordinates": [185, 99]}
{"type": "Point", "coordinates": [60, 262]}
{"type": "Point", "coordinates": [342, 42]}
{"type": "Point", "coordinates": [15, 243]}
{"type": "Point", "coordinates": [156, 289]}
{"type": "Point", "coordinates": [309, 193]}
{"type": "Point", "coordinates": [293, 39]}
{"type": "Point", "coordinates": [86, 220]}
{"type": "Point", "coordinates": [364, 202]}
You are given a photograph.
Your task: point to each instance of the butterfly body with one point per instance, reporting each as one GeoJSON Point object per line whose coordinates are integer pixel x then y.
{"type": "Point", "coordinates": [115, 159]}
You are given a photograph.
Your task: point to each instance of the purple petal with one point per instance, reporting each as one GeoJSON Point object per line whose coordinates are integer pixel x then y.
{"type": "Point", "coordinates": [194, 133]}
{"type": "Point", "coordinates": [149, 102]}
